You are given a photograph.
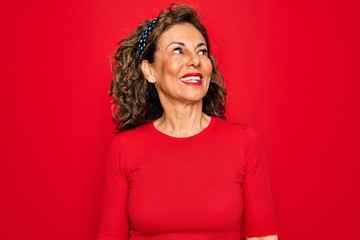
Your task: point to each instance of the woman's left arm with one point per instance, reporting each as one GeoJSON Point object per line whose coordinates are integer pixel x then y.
{"type": "Point", "coordinates": [264, 238]}
{"type": "Point", "coordinates": [259, 215]}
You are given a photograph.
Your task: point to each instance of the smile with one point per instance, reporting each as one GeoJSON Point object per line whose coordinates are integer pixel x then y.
{"type": "Point", "coordinates": [192, 78]}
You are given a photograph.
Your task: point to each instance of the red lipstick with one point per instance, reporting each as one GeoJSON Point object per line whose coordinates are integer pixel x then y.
{"type": "Point", "coordinates": [194, 78]}
{"type": "Point", "coordinates": [195, 74]}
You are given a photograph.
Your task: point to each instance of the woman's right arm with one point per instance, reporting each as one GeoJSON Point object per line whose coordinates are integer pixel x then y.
{"type": "Point", "coordinates": [114, 222]}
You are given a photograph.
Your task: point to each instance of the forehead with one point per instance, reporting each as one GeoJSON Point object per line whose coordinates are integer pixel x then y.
{"type": "Point", "coordinates": [185, 33]}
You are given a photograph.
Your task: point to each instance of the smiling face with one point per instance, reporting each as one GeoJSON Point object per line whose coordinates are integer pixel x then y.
{"type": "Point", "coordinates": [182, 69]}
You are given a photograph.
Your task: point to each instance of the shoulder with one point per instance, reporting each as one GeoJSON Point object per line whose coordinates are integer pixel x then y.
{"type": "Point", "coordinates": [229, 124]}
{"type": "Point", "coordinates": [134, 133]}
{"type": "Point", "coordinates": [234, 128]}
{"type": "Point", "coordinates": [131, 137]}
{"type": "Point", "coordinates": [124, 144]}
{"type": "Point", "coordinates": [239, 133]}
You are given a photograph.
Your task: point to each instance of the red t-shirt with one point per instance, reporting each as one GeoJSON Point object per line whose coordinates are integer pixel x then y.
{"type": "Point", "coordinates": [210, 186]}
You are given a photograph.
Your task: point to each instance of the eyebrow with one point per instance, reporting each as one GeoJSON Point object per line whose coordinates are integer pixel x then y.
{"type": "Point", "coordinates": [183, 44]}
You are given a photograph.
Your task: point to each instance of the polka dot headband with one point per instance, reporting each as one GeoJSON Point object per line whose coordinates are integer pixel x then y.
{"type": "Point", "coordinates": [144, 37]}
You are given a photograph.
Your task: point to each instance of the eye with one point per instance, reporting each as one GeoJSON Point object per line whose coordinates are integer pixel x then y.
{"type": "Point", "coordinates": [203, 52]}
{"type": "Point", "coordinates": [178, 50]}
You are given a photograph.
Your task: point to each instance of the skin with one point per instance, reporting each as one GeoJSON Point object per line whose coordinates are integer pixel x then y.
{"type": "Point", "coordinates": [181, 49]}
{"type": "Point", "coordinates": [264, 238]}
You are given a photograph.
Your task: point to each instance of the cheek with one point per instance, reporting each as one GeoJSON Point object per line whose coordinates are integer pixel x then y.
{"type": "Point", "coordinates": [208, 67]}
{"type": "Point", "coordinates": [172, 67]}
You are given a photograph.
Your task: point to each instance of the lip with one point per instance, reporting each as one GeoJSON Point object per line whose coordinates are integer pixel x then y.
{"type": "Point", "coordinates": [193, 83]}
{"type": "Point", "coordinates": [194, 74]}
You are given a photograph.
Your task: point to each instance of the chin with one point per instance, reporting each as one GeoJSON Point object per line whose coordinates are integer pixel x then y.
{"type": "Point", "coordinates": [195, 98]}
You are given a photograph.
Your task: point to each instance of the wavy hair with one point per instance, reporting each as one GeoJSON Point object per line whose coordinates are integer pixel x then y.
{"type": "Point", "coordinates": [135, 100]}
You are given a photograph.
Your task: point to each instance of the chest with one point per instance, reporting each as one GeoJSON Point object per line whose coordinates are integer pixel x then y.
{"type": "Point", "coordinates": [187, 187]}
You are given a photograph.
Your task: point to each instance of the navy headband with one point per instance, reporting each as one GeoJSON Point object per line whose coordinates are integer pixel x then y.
{"type": "Point", "coordinates": [144, 37]}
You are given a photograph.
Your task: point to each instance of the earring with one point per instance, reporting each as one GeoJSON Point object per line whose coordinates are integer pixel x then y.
{"type": "Point", "coordinates": [151, 79]}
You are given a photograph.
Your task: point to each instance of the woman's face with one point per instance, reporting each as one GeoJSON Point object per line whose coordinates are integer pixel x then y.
{"type": "Point", "coordinates": [182, 69]}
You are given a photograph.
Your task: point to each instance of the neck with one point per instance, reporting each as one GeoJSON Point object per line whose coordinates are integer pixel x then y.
{"type": "Point", "coordinates": [182, 121]}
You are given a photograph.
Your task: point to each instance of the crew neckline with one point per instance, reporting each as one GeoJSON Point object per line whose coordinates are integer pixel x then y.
{"type": "Point", "coordinates": [197, 135]}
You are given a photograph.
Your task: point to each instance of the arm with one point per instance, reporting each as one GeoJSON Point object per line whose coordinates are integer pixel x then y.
{"type": "Point", "coordinates": [274, 237]}
{"type": "Point", "coordinates": [114, 224]}
{"type": "Point", "coordinates": [259, 216]}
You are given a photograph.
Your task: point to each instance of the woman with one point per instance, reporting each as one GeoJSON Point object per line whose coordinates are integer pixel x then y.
{"type": "Point", "coordinates": [178, 170]}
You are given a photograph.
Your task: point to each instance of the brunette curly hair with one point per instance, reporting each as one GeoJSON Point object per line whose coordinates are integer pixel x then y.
{"type": "Point", "coordinates": [136, 101]}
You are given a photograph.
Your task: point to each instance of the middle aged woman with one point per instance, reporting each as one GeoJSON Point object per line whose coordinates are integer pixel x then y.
{"type": "Point", "coordinates": [177, 169]}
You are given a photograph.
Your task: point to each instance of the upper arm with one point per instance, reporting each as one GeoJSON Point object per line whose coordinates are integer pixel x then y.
{"type": "Point", "coordinates": [259, 216]}
{"type": "Point", "coordinates": [114, 222]}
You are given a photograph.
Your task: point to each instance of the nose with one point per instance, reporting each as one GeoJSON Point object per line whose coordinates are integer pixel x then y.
{"type": "Point", "coordinates": [193, 60]}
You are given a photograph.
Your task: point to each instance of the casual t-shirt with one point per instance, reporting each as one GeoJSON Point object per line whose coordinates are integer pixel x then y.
{"type": "Point", "coordinates": [210, 186]}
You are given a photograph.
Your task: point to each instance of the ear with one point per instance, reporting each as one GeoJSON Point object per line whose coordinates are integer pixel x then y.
{"type": "Point", "coordinates": [148, 71]}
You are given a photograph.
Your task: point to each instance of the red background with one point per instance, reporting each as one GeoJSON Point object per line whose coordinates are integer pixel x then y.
{"type": "Point", "coordinates": [292, 73]}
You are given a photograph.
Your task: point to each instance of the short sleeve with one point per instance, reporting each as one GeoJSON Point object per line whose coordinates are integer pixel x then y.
{"type": "Point", "coordinates": [259, 217]}
{"type": "Point", "coordinates": [114, 222]}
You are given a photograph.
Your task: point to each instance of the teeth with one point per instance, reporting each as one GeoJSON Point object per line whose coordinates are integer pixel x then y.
{"type": "Point", "coordinates": [191, 79]}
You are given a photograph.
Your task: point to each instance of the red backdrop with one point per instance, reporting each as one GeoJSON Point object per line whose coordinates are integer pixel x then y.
{"type": "Point", "coordinates": [292, 73]}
